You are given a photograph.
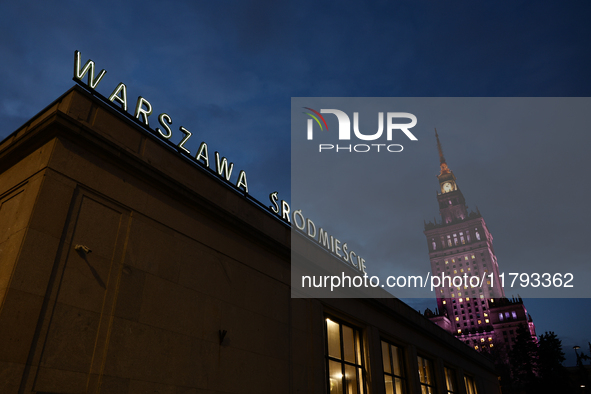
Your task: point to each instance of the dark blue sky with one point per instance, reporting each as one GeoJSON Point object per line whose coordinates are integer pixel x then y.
{"type": "Point", "coordinates": [227, 70]}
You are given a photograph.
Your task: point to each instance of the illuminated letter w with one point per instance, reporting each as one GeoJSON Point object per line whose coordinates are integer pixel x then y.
{"type": "Point", "coordinates": [88, 68]}
{"type": "Point", "coordinates": [222, 167]}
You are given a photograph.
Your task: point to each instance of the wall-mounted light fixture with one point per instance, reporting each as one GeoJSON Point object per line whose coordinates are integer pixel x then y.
{"type": "Point", "coordinates": [81, 248]}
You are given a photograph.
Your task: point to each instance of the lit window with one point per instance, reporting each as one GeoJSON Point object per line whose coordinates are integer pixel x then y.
{"type": "Point", "coordinates": [467, 299]}
{"type": "Point", "coordinates": [476, 347]}
{"type": "Point", "coordinates": [460, 298]}
{"type": "Point", "coordinates": [506, 315]}
{"type": "Point", "coordinates": [392, 361]}
{"type": "Point", "coordinates": [482, 296]}
{"type": "Point", "coordinates": [486, 320]}
{"type": "Point", "coordinates": [426, 376]}
{"type": "Point", "coordinates": [491, 345]}
{"type": "Point", "coordinates": [455, 271]}
{"type": "Point", "coordinates": [457, 319]}
{"type": "Point", "coordinates": [459, 331]}
{"type": "Point", "coordinates": [514, 315]}
{"type": "Point", "coordinates": [470, 385]}
{"type": "Point", "coordinates": [453, 260]}
{"type": "Point", "coordinates": [446, 262]}
{"type": "Point", "coordinates": [473, 257]}
{"type": "Point", "coordinates": [485, 314]}
{"type": "Point", "coordinates": [480, 322]}
{"type": "Point", "coordinates": [450, 381]}
{"type": "Point", "coordinates": [490, 339]}
{"type": "Point", "coordinates": [477, 235]}
{"type": "Point", "coordinates": [481, 339]}
{"type": "Point", "coordinates": [465, 257]}
{"type": "Point", "coordinates": [462, 270]}
{"type": "Point", "coordinates": [444, 302]}
{"type": "Point", "coordinates": [344, 358]}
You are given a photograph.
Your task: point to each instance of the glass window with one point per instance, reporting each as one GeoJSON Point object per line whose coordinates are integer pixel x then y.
{"type": "Point", "coordinates": [450, 381]}
{"type": "Point", "coordinates": [470, 385]}
{"type": "Point", "coordinates": [344, 358]}
{"type": "Point", "coordinates": [426, 376]}
{"type": "Point", "coordinates": [394, 378]}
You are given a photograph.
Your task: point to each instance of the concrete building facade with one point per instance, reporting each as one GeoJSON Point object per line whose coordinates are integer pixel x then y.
{"type": "Point", "coordinates": [127, 268]}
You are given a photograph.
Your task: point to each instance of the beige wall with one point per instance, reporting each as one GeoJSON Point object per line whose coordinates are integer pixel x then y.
{"type": "Point", "coordinates": [176, 257]}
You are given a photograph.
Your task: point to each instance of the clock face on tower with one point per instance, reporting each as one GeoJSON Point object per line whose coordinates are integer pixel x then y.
{"type": "Point", "coordinates": [447, 187]}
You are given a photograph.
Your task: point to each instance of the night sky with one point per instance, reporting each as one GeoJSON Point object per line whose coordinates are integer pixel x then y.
{"type": "Point", "coordinates": [227, 71]}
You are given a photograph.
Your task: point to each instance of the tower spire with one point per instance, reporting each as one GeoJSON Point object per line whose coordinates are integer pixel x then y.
{"type": "Point", "coordinates": [442, 163]}
{"type": "Point", "coordinates": [441, 158]}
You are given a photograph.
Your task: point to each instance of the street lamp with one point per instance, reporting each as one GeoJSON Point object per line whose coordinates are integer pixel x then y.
{"type": "Point", "coordinates": [582, 372]}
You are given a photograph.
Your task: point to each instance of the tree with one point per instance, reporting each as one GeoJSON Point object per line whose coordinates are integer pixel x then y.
{"type": "Point", "coordinates": [553, 376]}
{"type": "Point", "coordinates": [523, 359]}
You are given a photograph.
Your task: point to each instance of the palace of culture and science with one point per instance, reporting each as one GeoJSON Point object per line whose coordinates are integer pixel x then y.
{"type": "Point", "coordinates": [460, 244]}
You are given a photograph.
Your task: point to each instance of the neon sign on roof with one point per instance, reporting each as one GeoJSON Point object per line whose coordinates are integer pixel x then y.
{"type": "Point", "coordinates": [143, 110]}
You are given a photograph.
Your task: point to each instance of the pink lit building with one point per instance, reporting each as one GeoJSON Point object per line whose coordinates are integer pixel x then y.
{"type": "Point", "coordinates": [473, 305]}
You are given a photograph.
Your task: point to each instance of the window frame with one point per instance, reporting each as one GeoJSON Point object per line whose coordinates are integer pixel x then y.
{"type": "Point", "coordinates": [472, 388]}
{"type": "Point", "coordinates": [431, 387]}
{"type": "Point", "coordinates": [401, 361]}
{"type": "Point", "coordinates": [359, 353]}
{"type": "Point", "coordinates": [453, 378]}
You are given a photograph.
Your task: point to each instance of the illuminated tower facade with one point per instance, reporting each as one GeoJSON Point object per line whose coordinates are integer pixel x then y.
{"type": "Point", "coordinates": [460, 246]}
